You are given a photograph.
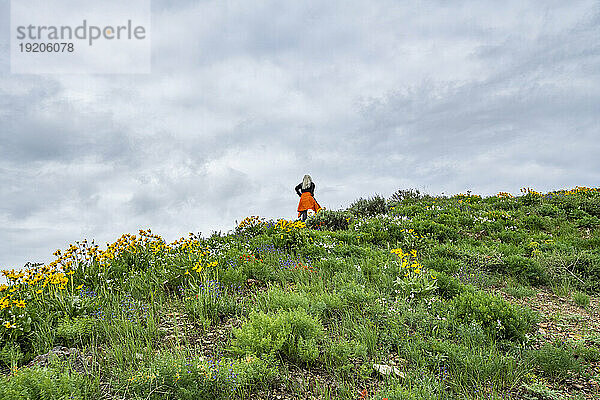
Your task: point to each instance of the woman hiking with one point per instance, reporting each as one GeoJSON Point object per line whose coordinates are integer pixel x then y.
{"type": "Point", "coordinates": [306, 191]}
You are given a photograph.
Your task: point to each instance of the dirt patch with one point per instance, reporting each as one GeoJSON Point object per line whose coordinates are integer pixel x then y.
{"type": "Point", "coordinates": [82, 363]}
{"type": "Point", "coordinates": [561, 321]}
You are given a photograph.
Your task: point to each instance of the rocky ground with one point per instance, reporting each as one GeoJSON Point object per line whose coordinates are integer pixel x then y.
{"type": "Point", "coordinates": [563, 320]}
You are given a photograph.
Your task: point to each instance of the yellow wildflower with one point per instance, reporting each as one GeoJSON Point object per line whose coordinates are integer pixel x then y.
{"type": "Point", "coordinates": [19, 303]}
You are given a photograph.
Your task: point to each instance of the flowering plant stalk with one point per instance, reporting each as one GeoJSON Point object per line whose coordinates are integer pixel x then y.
{"type": "Point", "coordinates": [415, 281]}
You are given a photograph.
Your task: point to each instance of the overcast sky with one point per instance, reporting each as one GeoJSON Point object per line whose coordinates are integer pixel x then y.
{"type": "Point", "coordinates": [245, 97]}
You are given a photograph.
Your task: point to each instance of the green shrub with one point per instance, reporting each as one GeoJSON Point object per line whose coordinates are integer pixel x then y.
{"type": "Point", "coordinates": [510, 249]}
{"type": "Point", "coordinates": [591, 205]}
{"type": "Point", "coordinates": [529, 199]}
{"type": "Point", "coordinates": [419, 384]}
{"type": "Point", "coordinates": [526, 269]}
{"type": "Point", "coordinates": [555, 360]}
{"type": "Point", "coordinates": [452, 220]}
{"type": "Point", "coordinates": [472, 365]}
{"type": "Point", "coordinates": [293, 334]}
{"type": "Point", "coordinates": [275, 299]}
{"type": "Point", "coordinates": [498, 318]}
{"type": "Point", "coordinates": [588, 222]}
{"type": "Point", "coordinates": [548, 210]}
{"type": "Point", "coordinates": [408, 210]}
{"type": "Point", "coordinates": [329, 220]}
{"type": "Point", "coordinates": [581, 299]}
{"type": "Point", "coordinates": [175, 376]}
{"type": "Point", "coordinates": [505, 203]}
{"type": "Point", "coordinates": [586, 352]}
{"type": "Point", "coordinates": [444, 264]}
{"type": "Point", "coordinates": [338, 353]}
{"type": "Point", "coordinates": [355, 295]}
{"type": "Point", "coordinates": [533, 222]}
{"type": "Point", "coordinates": [576, 213]}
{"type": "Point", "coordinates": [401, 195]}
{"type": "Point", "coordinates": [48, 383]}
{"type": "Point", "coordinates": [368, 207]}
{"type": "Point", "coordinates": [586, 265]}
{"type": "Point", "coordinates": [438, 231]}
{"type": "Point", "coordinates": [448, 286]}
{"type": "Point", "coordinates": [472, 335]}
{"type": "Point", "coordinates": [316, 304]}
{"type": "Point", "coordinates": [77, 331]}
{"type": "Point", "coordinates": [519, 291]}
{"type": "Point", "coordinates": [11, 355]}
{"type": "Point", "coordinates": [374, 230]}
{"type": "Point", "coordinates": [540, 390]}
{"type": "Point", "coordinates": [448, 251]}
{"type": "Point", "coordinates": [230, 276]}
{"type": "Point", "coordinates": [513, 237]}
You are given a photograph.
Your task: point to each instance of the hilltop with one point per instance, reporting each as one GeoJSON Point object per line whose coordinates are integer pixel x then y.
{"type": "Point", "coordinates": [411, 297]}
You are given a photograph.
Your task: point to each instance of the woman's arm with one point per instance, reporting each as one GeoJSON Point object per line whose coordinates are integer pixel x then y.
{"type": "Point", "coordinates": [312, 189]}
{"type": "Point", "coordinates": [297, 188]}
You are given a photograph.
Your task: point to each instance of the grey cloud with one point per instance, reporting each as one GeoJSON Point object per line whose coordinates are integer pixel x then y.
{"type": "Point", "coordinates": [40, 125]}
{"type": "Point", "coordinates": [448, 119]}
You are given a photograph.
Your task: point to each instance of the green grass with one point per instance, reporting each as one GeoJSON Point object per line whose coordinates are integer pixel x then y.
{"type": "Point", "coordinates": [278, 307]}
{"type": "Point", "coordinates": [520, 292]}
{"type": "Point", "coordinates": [581, 299]}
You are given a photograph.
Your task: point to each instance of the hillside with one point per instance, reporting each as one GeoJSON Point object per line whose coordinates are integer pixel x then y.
{"type": "Point", "coordinates": [413, 297]}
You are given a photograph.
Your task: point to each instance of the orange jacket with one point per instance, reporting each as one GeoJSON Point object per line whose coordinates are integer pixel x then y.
{"type": "Point", "coordinates": [307, 202]}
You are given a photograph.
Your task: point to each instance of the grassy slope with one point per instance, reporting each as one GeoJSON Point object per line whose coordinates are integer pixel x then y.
{"type": "Point", "coordinates": [487, 298]}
